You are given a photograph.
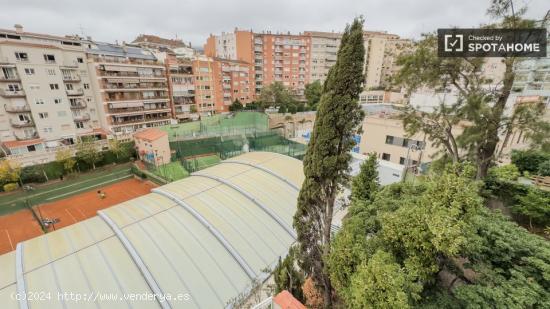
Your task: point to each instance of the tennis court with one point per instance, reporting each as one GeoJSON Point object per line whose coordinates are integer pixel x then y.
{"type": "Point", "coordinates": [22, 225]}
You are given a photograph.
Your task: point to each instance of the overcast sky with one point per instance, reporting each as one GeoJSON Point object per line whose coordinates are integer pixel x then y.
{"type": "Point", "coordinates": [194, 20]}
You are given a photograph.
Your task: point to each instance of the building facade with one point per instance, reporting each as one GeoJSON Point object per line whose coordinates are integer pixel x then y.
{"type": "Point", "coordinates": [46, 93]}
{"type": "Point", "coordinates": [131, 87]}
{"type": "Point", "coordinates": [324, 50]}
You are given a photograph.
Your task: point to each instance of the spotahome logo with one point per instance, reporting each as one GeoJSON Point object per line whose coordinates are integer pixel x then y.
{"type": "Point", "coordinates": [491, 42]}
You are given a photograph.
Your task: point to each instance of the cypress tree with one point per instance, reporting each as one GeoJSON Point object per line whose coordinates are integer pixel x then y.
{"type": "Point", "coordinates": [326, 162]}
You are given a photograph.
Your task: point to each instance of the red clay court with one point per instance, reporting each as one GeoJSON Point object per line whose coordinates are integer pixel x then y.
{"type": "Point", "coordinates": [21, 225]}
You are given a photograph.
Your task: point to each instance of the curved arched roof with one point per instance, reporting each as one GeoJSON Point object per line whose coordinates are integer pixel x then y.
{"type": "Point", "coordinates": [207, 236]}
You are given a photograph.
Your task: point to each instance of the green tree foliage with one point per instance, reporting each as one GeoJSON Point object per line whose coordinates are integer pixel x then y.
{"type": "Point", "coordinates": [9, 171]}
{"type": "Point", "coordinates": [288, 276]}
{"type": "Point", "coordinates": [326, 161]}
{"type": "Point", "coordinates": [544, 168]}
{"type": "Point", "coordinates": [480, 104]}
{"type": "Point", "coordinates": [119, 149]}
{"type": "Point", "coordinates": [507, 172]}
{"type": "Point", "coordinates": [236, 106]}
{"type": "Point", "coordinates": [529, 160]}
{"type": "Point", "coordinates": [32, 174]}
{"type": "Point", "coordinates": [66, 159]}
{"type": "Point", "coordinates": [365, 184]}
{"type": "Point", "coordinates": [276, 94]}
{"type": "Point", "coordinates": [313, 93]}
{"type": "Point", "coordinates": [282, 109]}
{"type": "Point", "coordinates": [87, 151]}
{"type": "Point", "coordinates": [437, 247]}
{"type": "Point", "coordinates": [535, 205]}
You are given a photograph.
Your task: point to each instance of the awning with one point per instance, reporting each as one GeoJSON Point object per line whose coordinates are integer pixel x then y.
{"type": "Point", "coordinates": [120, 68]}
{"type": "Point", "coordinates": [125, 104]}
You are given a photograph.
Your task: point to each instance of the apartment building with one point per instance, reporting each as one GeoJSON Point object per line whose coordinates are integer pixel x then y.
{"type": "Point", "coordinates": [276, 57]}
{"type": "Point", "coordinates": [46, 98]}
{"type": "Point", "coordinates": [324, 50]}
{"type": "Point", "coordinates": [181, 85]}
{"type": "Point", "coordinates": [233, 80]}
{"type": "Point", "coordinates": [204, 85]}
{"type": "Point", "coordinates": [130, 86]}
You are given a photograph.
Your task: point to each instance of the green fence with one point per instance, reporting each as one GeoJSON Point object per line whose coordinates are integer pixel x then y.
{"type": "Point", "coordinates": [197, 154]}
{"type": "Point", "coordinates": [219, 125]}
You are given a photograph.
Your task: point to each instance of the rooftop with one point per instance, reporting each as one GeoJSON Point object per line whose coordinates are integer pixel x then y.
{"type": "Point", "coordinates": [207, 236]}
{"type": "Point", "coordinates": [150, 134]}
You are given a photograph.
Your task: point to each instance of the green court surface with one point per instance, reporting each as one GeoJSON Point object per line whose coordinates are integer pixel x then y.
{"type": "Point", "coordinates": [202, 162]}
{"type": "Point", "coordinates": [11, 202]}
{"type": "Point", "coordinates": [171, 171]}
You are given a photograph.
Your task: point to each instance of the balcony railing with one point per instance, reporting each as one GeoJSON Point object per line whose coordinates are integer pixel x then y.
{"type": "Point", "coordinates": [71, 78]}
{"type": "Point", "coordinates": [17, 109]}
{"type": "Point", "coordinates": [74, 92]}
{"type": "Point", "coordinates": [78, 105]}
{"type": "Point", "coordinates": [85, 117]}
{"type": "Point", "coordinates": [12, 93]}
{"type": "Point", "coordinates": [140, 120]}
{"type": "Point", "coordinates": [13, 77]}
{"type": "Point", "coordinates": [33, 135]}
{"type": "Point", "coordinates": [21, 124]}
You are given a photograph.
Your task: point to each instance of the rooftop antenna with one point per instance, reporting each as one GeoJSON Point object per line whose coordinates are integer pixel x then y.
{"type": "Point", "coordinates": [81, 30]}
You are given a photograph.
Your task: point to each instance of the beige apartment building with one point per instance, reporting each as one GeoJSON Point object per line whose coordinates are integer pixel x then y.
{"type": "Point", "coordinates": [324, 50]}
{"type": "Point", "coordinates": [131, 87]}
{"type": "Point", "coordinates": [46, 98]}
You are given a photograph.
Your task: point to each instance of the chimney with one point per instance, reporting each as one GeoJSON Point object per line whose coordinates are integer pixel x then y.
{"type": "Point", "coordinates": [18, 28]}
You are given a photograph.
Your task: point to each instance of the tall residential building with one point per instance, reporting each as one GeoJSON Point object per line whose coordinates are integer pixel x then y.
{"type": "Point", "coordinates": [181, 82]}
{"type": "Point", "coordinates": [276, 57]}
{"type": "Point", "coordinates": [130, 86]}
{"type": "Point", "coordinates": [233, 80]}
{"type": "Point", "coordinates": [324, 49]}
{"type": "Point", "coordinates": [46, 98]}
{"type": "Point", "coordinates": [381, 52]}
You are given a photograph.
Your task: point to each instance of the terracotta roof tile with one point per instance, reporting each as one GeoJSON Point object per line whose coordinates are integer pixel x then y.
{"type": "Point", "coordinates": [150, 134]}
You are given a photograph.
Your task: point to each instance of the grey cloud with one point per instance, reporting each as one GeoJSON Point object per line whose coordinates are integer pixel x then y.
{"type": "Point", "coordinates": [194, 20]}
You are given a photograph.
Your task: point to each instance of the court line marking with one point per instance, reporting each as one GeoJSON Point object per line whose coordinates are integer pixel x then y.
{"type": "Point", "coordinates": [87, 188]}
{"type": "Point", "coordinates": [64, 187]}
{"type": "Point", "coordinates": [9, 238]}
{"type": "Point", "coordinates": [71, 215]}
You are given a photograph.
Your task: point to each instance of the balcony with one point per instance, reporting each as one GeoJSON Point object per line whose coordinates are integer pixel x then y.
{"type": "Point", "coordinates": [12, 93]}
{"type": "Point", "coordinates": [71, 78]}
{"type": "Point", "coordinates": [17, 109]}
{"type": "Point", "coordinates": [21, 124]}
{"type": "Point", "coordinates": [33, 135]}
{"type": "Point", "coordinates": [75, 92]}
{"type": "Point", "coordinates": [84, 117]}
{"type": "Point", "coordinates": [12, 77]}
{"type": "Point", "coordinates": [78, 105]}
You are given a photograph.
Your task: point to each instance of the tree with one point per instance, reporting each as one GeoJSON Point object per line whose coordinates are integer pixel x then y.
{"type": "Point", "coordinates": [119, 149]}
{"type": "Point", "coordinates": [544, 168]}
{"type": "Point", "coordinates": [236, 106]}
{"type": "Point", "coordinates": [313, 93]}
{"type": "Point", "coordinates": [365, 184]}
{"type": "Point", "coordinates": [276, 94]}
{"type": "Point", "coordinates": [66, 159]}
{"type": "Point", "coordinates": [326, 161]}
{"type": "Point", "coordinates": [9, 171]}
{"type": "Point", "coordinates": [87, 151]}
{"type": "Point", "coordinates": [507, 172]}
{"type": "Point", "coordinates": [529, 160]}
{"type": "Point", "coordinates": [282, 109]}
{"type": "Point", "coordinates": [288, 276]}
{"type": "Point", "coordinates": [535, 206]}
{"type": "Point", "coordinates": [481, 102]}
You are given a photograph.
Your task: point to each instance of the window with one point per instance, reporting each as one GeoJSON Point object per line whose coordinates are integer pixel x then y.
{"type": "Point", "coordinates": [29, 71]}
{"type": "Point", "coordinates": [69, 86]}
{"type": "Point", "coordinates": [13, 87]}
{"type": "Point", "coordinates": [54, 86]}
{"type": "Point", "coordinates": [21, 56]}
{"type": "Point", "coordinates": [49, 58]}
{"type": "Point", "coordinates": [405, 142]}
{"type": "Point", "coordinates": [389, 139]}
{"type": "Point", "coordinates": [386, 156]}
{"type": "Point", "coordinates": [86, 86]}
{"type": "Point", "coordinates": [48, 130]}
{"type": "Point", "coordinates": [39, 101]}
{"type": "Point", "coordinates": [401, 160]}
{"type": "Point", "coordinates": [79, 60]}
{"type": "Point", "coordinates": [43, 115]}
{"type": "Point", "coordinates": [57, 101]}
{"type": "Point", "coordinates": [79, 125]}
{"type": "Point", "coordinates": [50, 71]}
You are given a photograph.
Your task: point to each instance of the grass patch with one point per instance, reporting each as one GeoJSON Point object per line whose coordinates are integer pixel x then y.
{"type": "Point", "coordinates": [171, 171]}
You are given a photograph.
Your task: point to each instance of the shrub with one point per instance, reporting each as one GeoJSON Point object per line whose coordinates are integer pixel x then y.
{"type": "Point", "coordinates": [529, 160]}
{"type": "Point", "coordinates": [506, 172]}
{"type": "Point", "coordinates": [10, 187]}
{"type": "Point", "coordinates": [32, 174]}
{"type": "Point", "coordinates": [544, 168]}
